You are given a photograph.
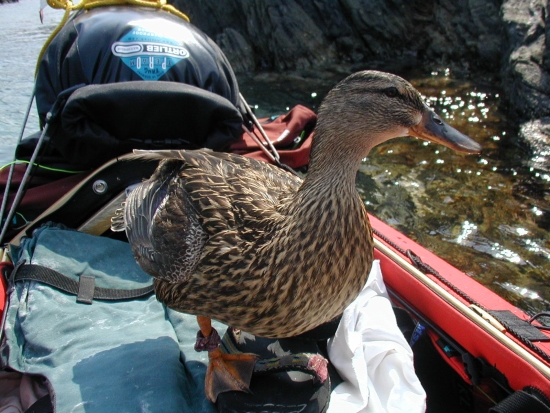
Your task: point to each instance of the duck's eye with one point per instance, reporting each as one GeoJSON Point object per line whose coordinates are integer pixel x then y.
{"type": "Point", "coordinates": [391, 92]}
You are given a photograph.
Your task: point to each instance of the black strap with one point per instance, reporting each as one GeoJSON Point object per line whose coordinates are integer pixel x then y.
{"type": "Point", "coordinates": [522, 401]}
{"type": "Point", "coordinates": [518, 326]}
{"type": "Point", "coordinates": [85, 290]}
{"type": "Point", "coordinates": [42, 405]}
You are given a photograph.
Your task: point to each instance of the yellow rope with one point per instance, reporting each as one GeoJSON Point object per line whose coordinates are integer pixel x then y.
{"type": "Point", "coordinates": [90, 4]}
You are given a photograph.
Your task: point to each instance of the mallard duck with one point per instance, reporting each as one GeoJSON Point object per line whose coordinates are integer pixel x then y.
{"type": "Point", "coordinates": [249, 244]}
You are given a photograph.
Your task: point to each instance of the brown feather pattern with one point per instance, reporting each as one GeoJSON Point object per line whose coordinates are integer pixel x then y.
{"type": "Point", "coordinates": [251, 245]}
{"type": "Point", "coordinates": [262, 249]}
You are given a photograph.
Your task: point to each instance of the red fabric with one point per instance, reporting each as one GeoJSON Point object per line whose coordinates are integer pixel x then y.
{"type": "Point", "coordinates": [5, 268]}
{"type": "Point", "coordinates": [281, 132]}
{"type": "Point", "coordinates": [294, 158]}
{"type": "Point", "coordinates": [41, 192]}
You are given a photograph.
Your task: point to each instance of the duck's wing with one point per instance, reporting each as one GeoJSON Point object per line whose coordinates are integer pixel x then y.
{"type": "Point", "coordinates": [230, 190]}
{"type": "Point", "coordinates": [201, 202]}
{"type": "Point", "coordinates": [162, 226]}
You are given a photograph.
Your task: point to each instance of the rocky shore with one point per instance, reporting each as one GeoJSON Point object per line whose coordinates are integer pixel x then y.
{"type": "Point", "coordinates": [504, 38]}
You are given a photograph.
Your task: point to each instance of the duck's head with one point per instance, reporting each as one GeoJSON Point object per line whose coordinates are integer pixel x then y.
{"type": "Point", "coordinates": [370, 107]}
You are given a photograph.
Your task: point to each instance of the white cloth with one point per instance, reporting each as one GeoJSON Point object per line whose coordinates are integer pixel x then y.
{"type": "Point", "coordinates": [372, 356]}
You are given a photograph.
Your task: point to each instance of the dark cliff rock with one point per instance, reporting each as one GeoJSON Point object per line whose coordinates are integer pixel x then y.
{"type": "Point", "coordinates": [506, 38]}
{"type": "Point", "coordinates": [525, 70]}
{"type": "Point", "coordinates": [525, 73]}
{"type": "Point", "coordinates": [302, 34]}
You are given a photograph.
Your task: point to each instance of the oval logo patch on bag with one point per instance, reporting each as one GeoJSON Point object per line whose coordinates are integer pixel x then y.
{"type": "Point", "coordinates": [149, 50]}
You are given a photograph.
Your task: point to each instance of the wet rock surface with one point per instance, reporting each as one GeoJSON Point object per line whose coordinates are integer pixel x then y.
{"type": "Point", "coordinates": [524, 71]}
{"type": "Point", "coordinates": [504, 38]}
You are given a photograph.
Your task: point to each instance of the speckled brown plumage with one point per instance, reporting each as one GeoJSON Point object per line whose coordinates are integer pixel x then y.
{"type": "Point", "coordinates": [251, 245]}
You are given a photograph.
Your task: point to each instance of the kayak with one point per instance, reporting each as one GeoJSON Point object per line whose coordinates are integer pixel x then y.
{"type": "Point", "coordinates": [473, 351]}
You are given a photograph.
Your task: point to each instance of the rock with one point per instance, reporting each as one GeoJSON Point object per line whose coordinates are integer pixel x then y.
{"type": "Point", "coordinates": [276, 35]}
{"type": "Point", "coordinates": [536, 133]}
{"type": "Point", "coordinates": [525, 77]}
{"type": "Point", "coordinates": [304, 34]}
{"type": "Point", "coordinates": [286, 35]}
{"type": "Point", "coordinates": [237, 50]}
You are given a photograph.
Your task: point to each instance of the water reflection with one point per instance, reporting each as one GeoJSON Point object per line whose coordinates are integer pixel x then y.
{"type": "Point", "coordinates": [488, 215]}
{"type": "Point", "coordinates": [21, 36]}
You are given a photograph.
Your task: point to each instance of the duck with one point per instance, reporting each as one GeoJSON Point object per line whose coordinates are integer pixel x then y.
{"type": "Point", "coordinates": [260, 249]}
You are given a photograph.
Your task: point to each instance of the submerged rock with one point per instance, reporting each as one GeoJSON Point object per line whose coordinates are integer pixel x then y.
{"type": "Point", "coordinates": [536, 133]}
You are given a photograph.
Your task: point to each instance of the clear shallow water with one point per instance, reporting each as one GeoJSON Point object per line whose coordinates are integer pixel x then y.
{"type": "Point", "coordinates": [21, 39]}
{"type": "Point", "coordinates": [488, 215]}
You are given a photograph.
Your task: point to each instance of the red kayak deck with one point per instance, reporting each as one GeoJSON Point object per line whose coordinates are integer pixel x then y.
{"type": "Point", "coordinates": [477, 336]}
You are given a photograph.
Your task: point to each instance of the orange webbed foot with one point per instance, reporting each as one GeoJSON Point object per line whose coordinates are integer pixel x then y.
{"type": "Point", "coordinates": [228, 372]}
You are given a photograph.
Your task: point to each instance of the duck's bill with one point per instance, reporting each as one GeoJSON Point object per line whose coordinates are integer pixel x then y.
{"type": "Point", "coordinates": [432, 128]}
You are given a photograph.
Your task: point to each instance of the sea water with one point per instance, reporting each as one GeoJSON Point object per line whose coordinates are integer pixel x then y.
{"type": "Point", "coordinates": [21, 38]}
